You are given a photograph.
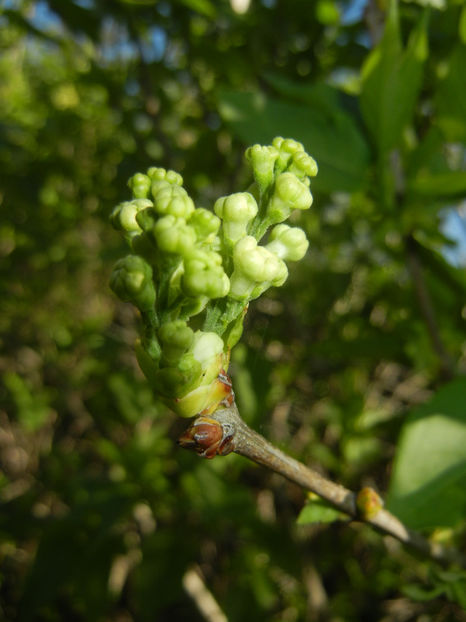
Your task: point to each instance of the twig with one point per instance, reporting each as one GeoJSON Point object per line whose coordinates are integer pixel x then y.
{"type": "Point", "coordinates": [225, 431]}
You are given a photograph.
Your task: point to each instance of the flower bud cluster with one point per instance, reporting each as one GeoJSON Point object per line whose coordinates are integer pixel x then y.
{"type": "Point", "coordinates": [187, 260]}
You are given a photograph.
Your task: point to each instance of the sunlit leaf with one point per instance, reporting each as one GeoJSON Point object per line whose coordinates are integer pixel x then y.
{"type": "Point", "coordinates": [391, 80]}
{"type": "Point", "coordinates": [428, 485]}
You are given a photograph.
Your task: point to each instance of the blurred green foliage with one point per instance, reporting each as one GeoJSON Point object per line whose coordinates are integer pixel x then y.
{"type": "Point", "coordinates": [101, 514]}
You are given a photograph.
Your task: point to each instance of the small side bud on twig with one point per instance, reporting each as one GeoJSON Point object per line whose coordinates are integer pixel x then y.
{"type": "Point", "coordinates": [368, 503]}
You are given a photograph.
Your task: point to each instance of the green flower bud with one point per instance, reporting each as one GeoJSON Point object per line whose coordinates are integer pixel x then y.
{"type": "Point", "coordinates": [147, 363]}
{"type": "Point", "coordinates": [173, 382]}
{"type": "Point", "coordinates": [235, 330]}
{"type": "Point", "coordinates": [192, 384]}
{"type": "Point", "coordinates": [286, 148]}
{"type": "Point", "coordinates": [192, 306]}
{"type": "Point", "coordinates": [190, 378]}
{"type": "Point", "coordinates": [161, 174]}
{"type": "Point", "coordinates": [288, 243]}
{"type": "Point", "coordinates": [174, 236]}
{"type": "Point", "coordinates": [236, 211]}
{"type": "Point", "coordinates": [139, 185]}
{"type": "Point", "coordinates": [146, 219]}
{"type": "Point", "coordinates": [277, 142]}
{"type": "Point", "coordinates": [176, 339]}
{"type": "Point", "coordinates": [131, 281]}
{"type": "Point", "coordinates": [262, 160]}
{"type": "Point", "coordinates": [255, 269]}
{"type": "Point", "coordinates": [192, 262]}
{"type": "Point", "coordinates": [124, 216]}
{"type": "Point", "coordinates": [204, 276]}
{"type": "Point", "coordinates": [289, 193]}
{"type": "Point", "coordinates": [207, 349]}
{"type": "Point", "coordinates": [205, 224]}
{"type": "Point", "coordinates": [302, 165]}
{"type": "Point", "coordinates": [204, 399]}
{"type": "Point", "coordinates": [171, 199]}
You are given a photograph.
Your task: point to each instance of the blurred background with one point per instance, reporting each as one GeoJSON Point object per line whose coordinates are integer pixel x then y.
{"type": "Point", "coordinates": [102, 516]}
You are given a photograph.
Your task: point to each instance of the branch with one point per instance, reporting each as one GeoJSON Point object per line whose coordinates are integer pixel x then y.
{"type": "Point", "coordinates": [225, 431]}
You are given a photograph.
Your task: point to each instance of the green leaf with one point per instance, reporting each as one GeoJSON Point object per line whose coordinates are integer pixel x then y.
{"type": "Point", "coordinates": [318, 511]}
{"type": "Point", "coordinates": [450, 98]}
{"type": "Point", "coordinates": [462, 27]}
{"type": "Point", "coordinates": [318, 95]}
{"type": "Point", "coordinates": [204, 7]}
{"type": "Point", "coordinates": [448, 184]}
{"type": "Point", "coordinates": [420, 594]}
{"type": "Point", "coordinates": [443, 271]}
{"type": "Point", "coordinates": [391, 80]}
{"type": "Point", "coordinates": [428, 486]}
{"type": "Point", "coordinates": [451, 584]}
{"type": "Point", "coordinates": [329, 135]}
{"type": "Point", "coordinates": [433, 170]}
{"type": "Point", "coordinates": [32, 406]}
